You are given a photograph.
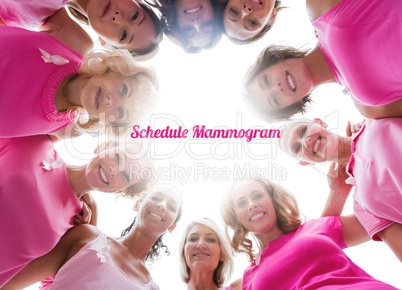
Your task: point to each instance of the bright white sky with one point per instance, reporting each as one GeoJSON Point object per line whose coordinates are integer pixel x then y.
{"type": "Point", "coordinates": [205, 89]}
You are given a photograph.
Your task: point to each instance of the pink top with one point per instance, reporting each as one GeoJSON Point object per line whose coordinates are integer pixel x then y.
{"type": "Point", "coordinates": [101, 272]}
{"type": "Point", "coordinates": [309, 258]}
{"type": "Point", "coordinates": [29, 80]}
{"type": "Point", "coordinates": [361, 41]}
{"type": "Point", "coordinates": [375, 168]}
{"type": "Point", "coordinates": [28, 13]}
{"type": "Point", "coordinates": [39, 205]}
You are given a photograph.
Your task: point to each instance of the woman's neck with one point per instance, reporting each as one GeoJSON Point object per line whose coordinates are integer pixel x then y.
{"type": "Point", "coordinates": [344, 150]}
{"type": "Point", "coordinates": [76, 176]}
{"type": "Point", "coordinates": [202, 280]}
{"type": "Point", "coordinates": [68, 93]}
{"type": "Point", "coordinates": [318, 67]}
{"type": "Point", "coordinates": [139, 241]}
{"type": "Point", "coordinates": [264, 238]}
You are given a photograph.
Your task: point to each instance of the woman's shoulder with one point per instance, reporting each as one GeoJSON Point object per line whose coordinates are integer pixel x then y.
{"type": "Point", "coordinates": [316, 8]}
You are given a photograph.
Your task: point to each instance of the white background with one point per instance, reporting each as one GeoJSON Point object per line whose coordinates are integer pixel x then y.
{"type": "Point", "coordinates": [205, 89]}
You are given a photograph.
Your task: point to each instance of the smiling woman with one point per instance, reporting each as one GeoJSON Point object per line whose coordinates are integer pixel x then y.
{"type": "Point", "coordinates": [64, 87]}
{"type": "Point", "coordinates": [109, 262]}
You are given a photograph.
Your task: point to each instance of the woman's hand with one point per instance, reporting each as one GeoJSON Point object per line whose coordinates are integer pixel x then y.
{"type": "Point", "coordinates": [89, 211]}
{"type": "Point", "coordinates": [339, 190]}
{"type": "Point", "coordinates": [85, 216]}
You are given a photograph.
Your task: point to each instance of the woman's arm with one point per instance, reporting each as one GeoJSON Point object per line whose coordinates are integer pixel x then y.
{"type": "Point", "coordinates": [237, 284]}
{"type": "Point", "coordinates": [48, 264]}
{"type": "Point", "coordinates": [379, 112]}
{"type": "Point", "coordinates": [339, 190]}
{"type": "Point", "coordinates": [65, 29]}
{"type": "Point", "coordinates": [353, 232]}
{"type": "Point", "coordinates": [392, 236]}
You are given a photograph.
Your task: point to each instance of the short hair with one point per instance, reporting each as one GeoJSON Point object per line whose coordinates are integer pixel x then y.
{"type": "Point", "coordinates": [155, 251]}
{"type": "Point", "coordinates": [138, 54]}
{"type": "Point", "coordinates": [99, 62]}
{"type": "Point", "coordinates": [173, 31]}
{"type": "Point", "coordinates": [272, 55]}
{"type": "Point", "coordinates": [286, 209]}
{"type": "Point", "coordinates": [225, 267]}
{"type": "Point", "coordinates": [260, 34]}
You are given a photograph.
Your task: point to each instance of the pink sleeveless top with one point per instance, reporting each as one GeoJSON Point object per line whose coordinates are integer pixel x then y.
{"type": "Point", "coordinates": [37, 206]}
{"type": "Point", "coordinates": [100, 270]}
{"type": "Point", "coordinates": [32, 67]}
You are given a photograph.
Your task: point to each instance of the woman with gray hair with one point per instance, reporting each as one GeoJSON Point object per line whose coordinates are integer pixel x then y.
{"type": "Point", "coordinates": [206, 259]}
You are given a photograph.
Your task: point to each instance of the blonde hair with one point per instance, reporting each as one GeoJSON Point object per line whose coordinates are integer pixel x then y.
{"type": "Point", "coordinates": [99, 62]}
{"type": "Point", "coordinates": [138, 188]}
{"type": "Point", "coordinates": [286, 209]}
{"type": "Point", "coordinates": [225, 267]}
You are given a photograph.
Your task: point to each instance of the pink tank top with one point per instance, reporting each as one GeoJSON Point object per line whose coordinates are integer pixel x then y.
{"type": "Point", "coordinates": [100, 270]}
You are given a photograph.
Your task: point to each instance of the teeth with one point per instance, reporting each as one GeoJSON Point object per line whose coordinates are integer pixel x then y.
{"type": "Point", "coordinates": [191, 11]}
{"type": "Point", "coordinates": [200, 254]}
{"type": "Point", "coordinates": [315, 149]}
{"type": "Point", "coordinates": [103, 175]}
{"type": "Point", "coordinates": [155, 215]}
{"type": "Point", "coordinates": [256, 216]}
{"type": "Point", "coordinates": [290, 82]}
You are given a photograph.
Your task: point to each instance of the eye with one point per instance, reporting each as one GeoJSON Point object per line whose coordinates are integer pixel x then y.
{"type": "Point", "coordinates": [124, 90]}
{"type": "Point", "coordinates": [257, 196]}
{"type": "Point", "coordinates": [193, 239]}
{"type": "Point", "coordinates": [241, 203]}
{"type": "Point", "coordinates": [172, 208]}
{"type": "Point", "coordinates": [211, 240]}
{"type": "Point", "coordinates": [121, 113]}
{"type": "Point", "coordinates": [233, 11]}
{"type": "Point", "coordinates": [124, 35]}
{"type": "Point", "coordinates": [303, 132]}
{"type": "Point", "coordinates": [275, 100]}
{"type": "Point", "coordinates": [118, 158]}
{"type": "Point", "coordinates": [126, 177]}
{"type": "Point", "coordinates": [266, 80]}
{"type": "Point", "coordinates": [252, 22]}
{"type": "Point", "coordinates": [297, 148]}
{"type": "Point", "coordinates": [155, 198]}
{"type": "Point", "coordinates": [135, 16]}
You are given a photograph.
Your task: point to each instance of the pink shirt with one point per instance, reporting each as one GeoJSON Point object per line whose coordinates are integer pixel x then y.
{"type": "Point", "coordinates": [37, 206]}
{"type": "Point", "coordinates": [101, 272]}
{"type": "Point", "coordinates": [375, 168]}
{"type": "Point", "coordinates": [28, 13]}
{"type": "Point", "coordinates": [309, 258]}
{"type": "Point", "coordinates": [361, 41]}
{"type": "Point", "coordinates": [29, 80]}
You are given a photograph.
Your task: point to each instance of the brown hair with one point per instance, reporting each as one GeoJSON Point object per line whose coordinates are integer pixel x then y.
{"type": "Point", "coordinates": [272, 55]}
{"type": "Point", "coordinates": [176, 35]}
{"type": "Point", "coordinates": [260, 34]}
{"type": "Point", "coordinates": [286, 209]}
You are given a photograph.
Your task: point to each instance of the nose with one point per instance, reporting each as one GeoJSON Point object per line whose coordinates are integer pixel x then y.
{"type": "Point", "coordinates": [279, 87]}
{"type": "Point", "coordinates": [195, 19]}
{"type": "Point", "coordinates": [307, 141]}
{"type": "Point", "coordinates": [116, 18]}
{"type": "Point", "coordinates": [113, 171]}
{"type": "Point", "coordinates": [161, 205]}
{"type": "Point", "coordinates": [247, 8]}
{"type": "Point", "coordinates": [201, 244]}
{"type": "Point", "coordinates": [252, 206]}
{"type": "Point", "coordinates": [112, 101]}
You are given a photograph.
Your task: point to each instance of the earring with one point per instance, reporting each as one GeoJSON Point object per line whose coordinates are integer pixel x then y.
{"type": "Point", "coordinates": [102, 42]}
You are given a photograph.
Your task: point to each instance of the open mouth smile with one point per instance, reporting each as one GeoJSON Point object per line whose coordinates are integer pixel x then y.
{"type": "Point", "coordinates": [98, 99]}
{"type": "Point", "coordinates": [255, 2]}
{"type": "Point", "coordinates": [257, 216]}
{"type": "Point", "coordinates": [316, 145]}
{"type": "Point", "coordinates": [291, 82]}
{"type": "Point", "coordinates": [156, 216]}
{"type": "Point", "coordinates": [106, 9]}
{"type": "Point", "coordinates": [103, 175]}
{"type": "Point", "coordinates": [193, 10]}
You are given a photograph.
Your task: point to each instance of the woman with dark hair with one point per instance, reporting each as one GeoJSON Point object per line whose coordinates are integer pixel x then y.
{"type": "Point", "coordinates": [194, 25]}
{"type": "Point", "coordinates": [122, 24]}
{"type": "Point", "coordinates": [246, 21]}
{"type": "Point", "coordinates": [348, 52]}
{"type": "Point", "coordinates": [292, 254]}
{"type": "Point", "coordinates": [45, 196]}
{"type": "Point", "coordinates": [109, 263]}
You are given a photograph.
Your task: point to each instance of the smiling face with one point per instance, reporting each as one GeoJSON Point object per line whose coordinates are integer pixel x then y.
{"type": "Point", "coordinates": [244, 19]}
{"type": "Point", "coordinates": [122, 23]}
{"type": "Point", "coordinates": [112, 171]}
{"type": "Point", "coordinates": [112, 94]}
{"type": "Point", "coordinates": [202, 249]}
{"type": "Point", "coordinates": [158, 211]}
{"type": "Point", "coordinates": [281, 85]}
{"type": "Point", "coordinates": [254, 209]}
{"type": "Point", "coordinates": [195, 18]}
{"type": "Point", "coordinates": [309, 142]}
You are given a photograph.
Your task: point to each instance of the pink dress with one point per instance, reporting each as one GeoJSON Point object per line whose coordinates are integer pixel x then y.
{"type": "Point", "coordinates": [28, 13]}
{"type": "Point", "coordinates": [101, 272]}
{"type": "Point", "coordinates": [309, 258]}
{"type": "Point", "coordinates": [361, 41]}
{"type": "Point", "coordinates": [375, 168]}
{"type": "Point", "coordinates": [37, 206]}
{"type": "Point", "coordinates": [29, 80]}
